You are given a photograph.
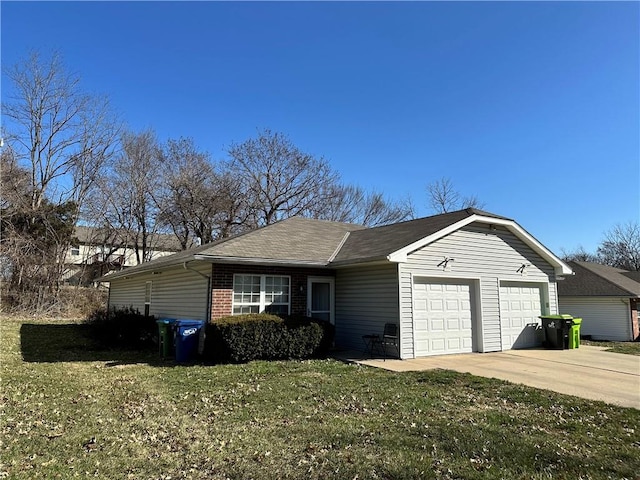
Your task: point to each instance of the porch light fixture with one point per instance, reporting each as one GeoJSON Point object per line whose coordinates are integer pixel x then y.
{"type": "Point", "coordinates": [445, 262]}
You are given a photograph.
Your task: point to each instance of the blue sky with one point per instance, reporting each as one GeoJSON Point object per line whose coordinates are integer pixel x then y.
{"type": "Point", "coordinates": [532, 107]}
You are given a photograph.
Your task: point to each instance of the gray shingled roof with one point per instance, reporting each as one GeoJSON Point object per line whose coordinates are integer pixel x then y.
{"type": "Point", "coordinates": [379, 242]}
{"type": "Point", "coordinates": [595, 280]}
{"type": "Point", "coordinates": [304, 241]}
{"type": "Point", "coordinates": [295, 239]}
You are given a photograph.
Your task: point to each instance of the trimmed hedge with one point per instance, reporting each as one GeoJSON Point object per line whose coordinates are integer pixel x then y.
{"type": "Point", "coordinates": [243, 338]}
{"type": "Point", "coordinates": [122, 328]}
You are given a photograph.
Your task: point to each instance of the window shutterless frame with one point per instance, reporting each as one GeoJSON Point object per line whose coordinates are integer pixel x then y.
{"type": "Point", "coordinates": [261, 293]}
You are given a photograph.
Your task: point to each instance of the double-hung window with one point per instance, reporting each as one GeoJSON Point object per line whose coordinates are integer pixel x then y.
{"type": "Point", "coordinates": [261, 293]}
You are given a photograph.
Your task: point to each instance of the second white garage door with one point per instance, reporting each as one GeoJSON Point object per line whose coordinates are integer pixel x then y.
{"type": "Point", "coordinates": [520, 307]}
{"type": "Point", "coordinates": [442, 317]}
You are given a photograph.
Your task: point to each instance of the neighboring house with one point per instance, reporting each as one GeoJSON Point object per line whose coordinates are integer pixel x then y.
{"type": "Point", "coordinates": [457, 282]}
{"type": "Point", "coordinates": [606, 298]}
{"type": "Point", "coordinates": [100, 251]}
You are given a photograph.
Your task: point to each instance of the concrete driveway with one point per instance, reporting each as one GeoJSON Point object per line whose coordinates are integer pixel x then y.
{"type": "Point", "coordinates": [587, 372]}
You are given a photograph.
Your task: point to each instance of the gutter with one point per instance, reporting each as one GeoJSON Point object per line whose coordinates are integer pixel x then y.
{"type": "Point", "coordinates": [185, 265]}
{"type": "Point", "coordinates": [261, 261]}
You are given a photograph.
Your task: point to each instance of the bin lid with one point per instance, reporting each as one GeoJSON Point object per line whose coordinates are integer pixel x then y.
{"type": "Point", "coordinates": [577, 321]}
{"type": "Point", "coordinates": [185, 322]}
{"type": "Point", "coordinates": [557, 317]}
{"type": "Point", "coordinates": [166, 321]}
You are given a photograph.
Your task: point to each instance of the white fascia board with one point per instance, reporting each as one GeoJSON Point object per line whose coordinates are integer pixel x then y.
{"type": "Point", "coordinates": [400, 256]}
{"type": "Point", "coordinates": [560, 267]}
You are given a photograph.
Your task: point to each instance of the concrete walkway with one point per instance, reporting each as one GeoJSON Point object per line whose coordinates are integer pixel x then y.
{"type": "Point", "coordinates": [588, 372]}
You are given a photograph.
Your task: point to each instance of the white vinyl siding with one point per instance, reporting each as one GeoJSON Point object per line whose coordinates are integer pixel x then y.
{"type": "Point", "coordinates": [482, 255]}
{"type": "Point", "coordinates": [602, 318]}
{"type": "Point", "coordinates": [176, 293]}
{"type": "Point", "coordinates": [366, 299]}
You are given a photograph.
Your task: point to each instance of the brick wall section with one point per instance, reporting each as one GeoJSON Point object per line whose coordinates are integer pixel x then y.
{"type": "Point", "coordinates": [635, 323]}
{"type": "Point", "coordinates": [222, 285]}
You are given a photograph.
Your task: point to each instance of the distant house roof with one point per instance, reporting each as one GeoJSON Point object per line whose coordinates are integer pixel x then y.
{"type": "Point", "coordinates": [104, 236]}
{"type": "Point", "coordinates": [595, 280]}
{"type": "Point", "coordinates": [320, 243]}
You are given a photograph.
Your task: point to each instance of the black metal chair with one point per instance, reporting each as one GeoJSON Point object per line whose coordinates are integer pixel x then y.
{"type": "Point", "coordinates": [389, 339]}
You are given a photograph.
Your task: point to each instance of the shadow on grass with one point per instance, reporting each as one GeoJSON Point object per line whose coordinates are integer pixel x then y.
{"type": "Point", "coordinates": [72, 343]}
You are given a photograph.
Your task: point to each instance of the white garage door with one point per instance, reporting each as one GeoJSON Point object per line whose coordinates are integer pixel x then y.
{"type": "Point", "coordinates": [442, 318]}
{"type": "Point", "coordinates": [520, 307]}
{"type": "Point", "coordinates": [602, 318]}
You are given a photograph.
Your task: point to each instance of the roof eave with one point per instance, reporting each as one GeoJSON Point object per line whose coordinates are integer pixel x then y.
{"type": "Point", "coordinates": [144, 268]}
{"type": "Point", "coordinates": [261, 261]}
{"type": "Point", "coordinates": [377, 260]}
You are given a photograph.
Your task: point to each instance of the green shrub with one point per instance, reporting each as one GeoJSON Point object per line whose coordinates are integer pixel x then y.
{"type": "Point", "coordinates": [123, 328]}
{"type": "Point", "coordinates": [244, 338]}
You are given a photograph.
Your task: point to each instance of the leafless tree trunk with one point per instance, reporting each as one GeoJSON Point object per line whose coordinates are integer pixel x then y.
{"type": "Point", "coordinates": [199, 200]}
{"type": "Point", "coordinates": [64, 135]}
{"type": "Point", "coordinates": [444, 198]}
{"type": "Point", "coordinates": [127, 198]}
{"type": "Point", "coordinates": [62, 138]}
{"type": "Point", "coordinates": [621, 246]}
{"type": "Point", "coordinates": [278, 179]}
{"type": "Point", "coordinates": [353, 204]}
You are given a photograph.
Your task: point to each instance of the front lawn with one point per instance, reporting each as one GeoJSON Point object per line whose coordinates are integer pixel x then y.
{"type": "Point", "coordinates": [272, 420]}
{"type": "Point", "coordinates": [630, 348]}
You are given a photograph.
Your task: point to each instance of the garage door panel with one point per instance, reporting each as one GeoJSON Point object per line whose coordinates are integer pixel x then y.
{"type": "Point", "coordinates": [437, 325]}
{"type": "Point", "coordinates": [442, 317]}
{"type": "Point", "coordinates": [520, 308]}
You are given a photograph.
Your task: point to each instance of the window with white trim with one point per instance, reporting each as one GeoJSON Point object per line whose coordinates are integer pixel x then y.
{"type": "Point", "coordinates": [261, 293]}
{"type": "Point", "coordinates": [147, 297]}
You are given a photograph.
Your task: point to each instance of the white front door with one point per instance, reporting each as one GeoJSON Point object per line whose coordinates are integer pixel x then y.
{"type": "Point", "coordinates": [442, 317]}
{"type": "Point", "coordinates": [520, 309]}
{"type": "Point", "coordinates": [320, 298]}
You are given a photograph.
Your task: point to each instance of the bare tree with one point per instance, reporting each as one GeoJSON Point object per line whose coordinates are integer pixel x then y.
{"type": "Point", "coordinates": [579, 255]}
{"type": "Point", "coordinates": [200, 200]}
{"type": "Point", "coordinates": [278, 179]}
{"type": "Point", "coordinates": [444, 198]}
{"type": "Point", "coordinates": [61, 138]}
{"type": "Point", "coordinates": [64, 135]}
{"type": "Point", "coordinates": [621, 246]}
{"type": "Point", "coordinates": [127, 199]}
{"type": "Point", "coordinates": [349, 203]}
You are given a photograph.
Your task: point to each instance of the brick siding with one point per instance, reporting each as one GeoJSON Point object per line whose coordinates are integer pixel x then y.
{"type": "Point", "coordinates": [635, 325]}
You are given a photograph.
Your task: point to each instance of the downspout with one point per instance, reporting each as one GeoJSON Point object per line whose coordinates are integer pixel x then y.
{"type": "Point", "coordinates": [185, 265]}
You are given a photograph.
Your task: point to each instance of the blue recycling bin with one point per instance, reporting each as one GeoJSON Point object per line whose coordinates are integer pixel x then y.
{"type": "Point", "coordinates": [187, 339]}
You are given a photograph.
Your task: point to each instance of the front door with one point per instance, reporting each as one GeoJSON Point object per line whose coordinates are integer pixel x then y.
{"type": "Point", "coordinates": [320, 298]}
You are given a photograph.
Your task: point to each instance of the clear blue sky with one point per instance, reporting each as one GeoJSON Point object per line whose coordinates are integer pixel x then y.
{"type": "Point", "coordinates": [533, 107]}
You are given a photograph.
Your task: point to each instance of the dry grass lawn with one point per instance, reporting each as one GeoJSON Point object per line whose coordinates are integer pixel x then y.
{"type": "Point", "coordinates": [272, 420]}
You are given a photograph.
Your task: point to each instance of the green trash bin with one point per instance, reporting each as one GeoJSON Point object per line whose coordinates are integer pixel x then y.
{"type": "Point", "coordinates": [574, 333]}
{"type": "Point", "coordinates": [165, 337]}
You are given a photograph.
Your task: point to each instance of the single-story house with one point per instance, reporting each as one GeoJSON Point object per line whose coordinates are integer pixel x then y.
{"type": "Point", "coordinates": [606, 298]}
{"type": "Point", "coordinates": [458, 282]}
